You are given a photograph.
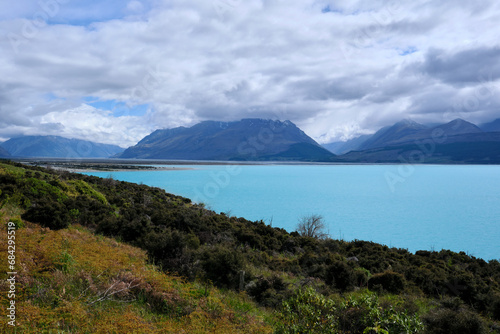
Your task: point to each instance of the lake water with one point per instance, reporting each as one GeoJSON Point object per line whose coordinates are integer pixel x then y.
{"type": "Point", "coordinates": [414, 207]}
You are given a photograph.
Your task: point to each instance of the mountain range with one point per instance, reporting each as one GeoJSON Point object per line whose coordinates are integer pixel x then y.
{"type": "Point", "coordinates": [248, 139]}
{"type": "Point", "coordinates": [406, 141]}
{"type": "Point", "coordinates": [458, 141]}
{"type": "Point", "coordinates": [57, 147]}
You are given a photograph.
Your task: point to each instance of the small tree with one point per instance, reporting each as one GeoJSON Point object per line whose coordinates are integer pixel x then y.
{"type": "Point", "coordinates": [312, 226]}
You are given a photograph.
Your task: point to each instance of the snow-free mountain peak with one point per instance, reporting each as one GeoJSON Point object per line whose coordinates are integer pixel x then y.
{"type": "Point", "coordinates": [248, 139]}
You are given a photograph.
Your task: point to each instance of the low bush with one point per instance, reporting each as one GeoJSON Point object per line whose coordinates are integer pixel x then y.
{"type": "Point", "coordinates": [388, 281]}
{"type": "Point", "coordinates": [452, 316]}
{"type": "Point", "coordinates": [53, 215]}
{"type": "Point", "coordinates": [341, 276]}
{"type": "Point", "coordinates": [307, 312]}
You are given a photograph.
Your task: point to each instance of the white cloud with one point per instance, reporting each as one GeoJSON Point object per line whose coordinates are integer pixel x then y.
{"type": "Point", "coordinates": [86, 122]}
{"type": "Point", "coordinates": [360, 66]}
{"type": "Point", "coordinates": [135, 6]}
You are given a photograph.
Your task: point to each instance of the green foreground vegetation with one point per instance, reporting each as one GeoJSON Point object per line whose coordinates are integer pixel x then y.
{"type": "Point", "coordinates": [98, 255]}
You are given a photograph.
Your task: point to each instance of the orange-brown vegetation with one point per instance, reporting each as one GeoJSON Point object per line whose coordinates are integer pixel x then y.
{"type": "Point", "coordinates": [73, 281]}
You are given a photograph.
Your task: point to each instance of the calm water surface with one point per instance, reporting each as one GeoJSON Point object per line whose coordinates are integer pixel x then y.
{"type": "Point", "coordinates": [420, 207]}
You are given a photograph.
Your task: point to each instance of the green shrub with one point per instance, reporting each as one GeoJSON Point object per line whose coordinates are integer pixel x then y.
{"type": "Point", "coordinates": [222, 266]}
{"type": "Point", "coordinates": [307, 311]}
{"type": "Point", "coordinates": [495, 306]}
{"type": "Point", "coordinates": [84, 188]}
{"type": "Point", "coordinates": [37, 188]}
{"type": "Point", "coordinates": [267, 291]}
{"type": "Point", "coordinates": [362, 313]}
{"type": "Point", "coordinates": [17, 199]}
{"type": "Point", "coordinates": [389, 281]}
{"type": "Point", "coordinates": [53, 215]}
{"type": "Point", "coordinates": [64, 262]}
{"type": "Point", "coordinates": [341, 276]}
{"type": "Point", "coordinates": [453, 317]}
{"type": "Point", "coordinates": [18, 223]}
{"type": "Point", "coordinates": [362, 276]}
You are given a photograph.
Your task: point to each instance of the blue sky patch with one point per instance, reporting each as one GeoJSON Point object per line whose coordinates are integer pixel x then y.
{"type": "Point", "coordinates": [86, 12]}
{"type": "Point", "coordinates": [118, 108]}
{"type": "Point", "coordinates": [408, 51]}
{"type": "Point", "coordinates": [329, 9]}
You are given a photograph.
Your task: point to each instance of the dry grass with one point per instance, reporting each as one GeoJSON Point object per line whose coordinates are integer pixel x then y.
{"type": "Point", "coordinates": [72, 281]}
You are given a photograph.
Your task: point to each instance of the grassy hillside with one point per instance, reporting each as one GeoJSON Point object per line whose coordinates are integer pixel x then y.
{"type": "Point", "coordinates": [86, 248]}
{"type": "Point", "coordinates": [72, 281]}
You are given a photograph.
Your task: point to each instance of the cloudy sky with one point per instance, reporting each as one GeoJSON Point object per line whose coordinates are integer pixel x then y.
{"type": "Point", "coordinates": [113, 71]}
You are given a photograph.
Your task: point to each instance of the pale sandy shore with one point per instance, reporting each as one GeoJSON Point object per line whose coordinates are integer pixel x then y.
{"type": "Point", "coordinates": [117, 168]}
{"type": "Point", "coordinates": [113, 165]}
{"type": "Point", "coordinates": [87, 165]}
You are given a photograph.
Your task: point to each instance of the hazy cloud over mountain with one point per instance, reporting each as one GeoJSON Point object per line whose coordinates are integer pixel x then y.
{"type": "Point", "coordinates": [114, 71]}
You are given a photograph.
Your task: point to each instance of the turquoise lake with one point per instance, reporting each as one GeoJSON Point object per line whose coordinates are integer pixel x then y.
{"type": "Point", "coordinates": [427, 207]}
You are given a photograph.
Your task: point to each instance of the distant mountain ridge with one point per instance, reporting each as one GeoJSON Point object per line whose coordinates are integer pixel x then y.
{"type": "Point", "coordinates": [386, 135]}
{"type": "Point", "coordinates": [493, 126]}
{"type": "Point", "coordinates": [405, 131]}
{"type": "Point", "coordinates": [57, 147]}
{"type": "Point", "coordinates": [458, 141]}
{"type": "Point", "coordinates": [346, 146]}
{"type": "Point", "coordinates": [248, 139]}
{"type": "Point", "coordinates": [383, 137]}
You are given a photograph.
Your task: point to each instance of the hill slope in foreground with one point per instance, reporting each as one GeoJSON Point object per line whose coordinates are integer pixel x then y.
{"type": "Point", "coordinates": [76, 282]}
{"type": "Point", "coordinates": [238, 276]}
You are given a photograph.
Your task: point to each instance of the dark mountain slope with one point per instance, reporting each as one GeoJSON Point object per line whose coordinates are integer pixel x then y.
{"type": "Point", "coordinates": [458, 127]}
{"type": "Point", "coordinates": [438, 133]}
{"type": "Point", "coordinates": [472, 148]}
{"type": "Point", "coordinates": [387, 135]}
{"type": "Point", "coordinates": [248, 139]}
